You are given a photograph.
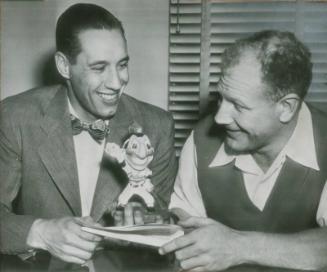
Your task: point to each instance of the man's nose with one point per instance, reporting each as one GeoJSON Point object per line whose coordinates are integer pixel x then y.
{"type": "Point", "coordinates": [224, 114]}
{"type": "Point", "coordinates": [113, 80]}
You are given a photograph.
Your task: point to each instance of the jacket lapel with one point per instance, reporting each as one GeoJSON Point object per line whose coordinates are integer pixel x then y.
{"type": "Point", "coordinates": [57, 150]}
{"type": "Point", "coordinates": [110, 182]}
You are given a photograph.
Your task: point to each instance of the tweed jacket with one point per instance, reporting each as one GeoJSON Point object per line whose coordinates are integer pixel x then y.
{"type": "Point", "coordinates": [38, 172]}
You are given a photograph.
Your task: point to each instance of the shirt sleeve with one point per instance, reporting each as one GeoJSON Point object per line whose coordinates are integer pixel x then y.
{"type": "Point", "coordinates": [322, 209]}
{"type": "Point", "coordinates": [186, 194]}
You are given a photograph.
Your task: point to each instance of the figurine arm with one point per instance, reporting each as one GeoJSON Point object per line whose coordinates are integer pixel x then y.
{"type": "Point", "coordinates": [115, 152]}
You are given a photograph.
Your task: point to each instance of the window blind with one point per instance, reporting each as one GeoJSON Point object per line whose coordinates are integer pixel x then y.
{"type": "Point", "coordinates": [184, 66]}
{"type": "Point", "coordinates": [200, 30]}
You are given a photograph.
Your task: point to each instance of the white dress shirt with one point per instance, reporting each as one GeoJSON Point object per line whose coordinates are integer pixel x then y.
{"type": "Point", "coordinates": [259, 185]}
{"type": "Point", "coordinates": [88, 154]}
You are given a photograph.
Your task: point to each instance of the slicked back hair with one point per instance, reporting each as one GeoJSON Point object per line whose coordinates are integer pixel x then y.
{"type": "Point", "coordinates": [285, 61]}
{"type": "Point", "coordinates": [78, 18]}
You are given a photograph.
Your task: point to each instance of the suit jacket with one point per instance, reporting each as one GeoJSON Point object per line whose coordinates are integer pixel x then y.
{"type": "Point", "coordinates": [38, 172]}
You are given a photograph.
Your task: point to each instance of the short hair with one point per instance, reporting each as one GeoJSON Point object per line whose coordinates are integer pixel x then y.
{"type": "Point", "coordinates": [285, 61]}
{"type": "Point", "coordinates": [80, 17]}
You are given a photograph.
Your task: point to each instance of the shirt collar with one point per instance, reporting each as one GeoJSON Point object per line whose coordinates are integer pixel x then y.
{"type": "Point", "coordinates": [71, 109]}
{"type": "Point", "coordinates": [300, 147]}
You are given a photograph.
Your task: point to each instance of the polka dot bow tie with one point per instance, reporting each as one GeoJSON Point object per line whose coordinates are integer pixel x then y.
{"type": "Point", "coordinates": [98, 129]}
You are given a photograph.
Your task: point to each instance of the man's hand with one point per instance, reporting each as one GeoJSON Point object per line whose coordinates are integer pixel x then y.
{"type": "Point", "coordinates": [64, 238]}
{"type": "Point", "coordinates": [210, 246]}
{"type": "Point", "coordinates": [134, 213]}
{"type": "Point", "coordinates": [131, 214]}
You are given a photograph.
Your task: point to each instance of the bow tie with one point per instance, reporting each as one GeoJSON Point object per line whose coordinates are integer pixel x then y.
{"type": "Point", "coordinates": [98, 129]}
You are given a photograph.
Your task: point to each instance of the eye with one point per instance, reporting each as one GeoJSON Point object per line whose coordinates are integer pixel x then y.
{"type": "Point", "coordinates": [148, 146]}
{"type": "Point", "coordinates": [98, 68]}
{"type": "Point", "coordinates": [238, 107]}
{"type": "Point", "coordinates": [123, 65]}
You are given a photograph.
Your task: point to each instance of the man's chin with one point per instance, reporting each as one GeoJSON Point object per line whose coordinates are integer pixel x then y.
{"type": "Point", "coordinates": [107, 114]}
{"type": "Point", "coordinates": [235, 147]}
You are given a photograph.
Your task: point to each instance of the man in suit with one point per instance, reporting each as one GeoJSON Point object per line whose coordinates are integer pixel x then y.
{"type": "Point", "coordinates": [253, 177]}
{"type": "Point", "coordinates": [53, 179]}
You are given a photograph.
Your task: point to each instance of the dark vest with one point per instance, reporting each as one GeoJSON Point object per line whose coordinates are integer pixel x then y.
{"type": "Point", "coordinates": [292, 205]}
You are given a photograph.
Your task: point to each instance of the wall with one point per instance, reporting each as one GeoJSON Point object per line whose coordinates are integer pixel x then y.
{"type": "Point", "coordinates": [27, 44]}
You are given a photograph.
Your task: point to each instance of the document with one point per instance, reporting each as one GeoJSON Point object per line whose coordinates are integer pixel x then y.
{"type": "Point", "coordinates": [155, 235]}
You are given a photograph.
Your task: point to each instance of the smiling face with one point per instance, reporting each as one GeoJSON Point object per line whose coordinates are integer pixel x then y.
{"type": "Point", "coordinates": [248, 115]}
{"type": "Point", "coordinates": [99, 74]}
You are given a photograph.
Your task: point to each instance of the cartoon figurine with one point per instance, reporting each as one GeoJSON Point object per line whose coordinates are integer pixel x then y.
{"type": "Point", "coordinates": [134, 157]}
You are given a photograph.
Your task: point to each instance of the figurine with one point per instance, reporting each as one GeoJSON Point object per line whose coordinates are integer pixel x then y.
{"type": "Point", "coordinates": [134, 157]}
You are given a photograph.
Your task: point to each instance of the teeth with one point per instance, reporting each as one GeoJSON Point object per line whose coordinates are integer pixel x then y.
{"type": "Point", "coordinates": [107, 96]}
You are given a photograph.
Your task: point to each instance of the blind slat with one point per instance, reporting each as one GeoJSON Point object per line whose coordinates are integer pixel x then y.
{"type": "Point", "coordinates": [183, 107]}
{"type": "Point", "coordinates": [183, 89]}
{"type": "Point", "coordinates": [184, 68]}
{"type": "Point", "coordinates": [184, 49]}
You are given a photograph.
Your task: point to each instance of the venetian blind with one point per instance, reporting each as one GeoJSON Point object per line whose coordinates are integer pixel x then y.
{"type": "Point", "coordinates": [201, 29]}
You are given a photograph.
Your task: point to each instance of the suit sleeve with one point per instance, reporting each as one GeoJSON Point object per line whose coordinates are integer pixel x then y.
{"type": "Point", "coordinates": [14, 228]}
{"type": "Point", "coordinates": [164, 165]}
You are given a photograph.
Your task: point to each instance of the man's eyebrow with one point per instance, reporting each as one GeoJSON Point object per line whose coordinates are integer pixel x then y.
{"type": "Point", "coordinates": [98, 62]}
{"type": "Point", "coordinates": [104, 62]}
{"type": "Point", "coordinates": [220, 88]}
{"type": "Point", "coordinates": [221, 84]}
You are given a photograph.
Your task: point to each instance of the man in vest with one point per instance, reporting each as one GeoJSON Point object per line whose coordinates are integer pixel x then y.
{"type": "Point", "coordinates": [252, 178]}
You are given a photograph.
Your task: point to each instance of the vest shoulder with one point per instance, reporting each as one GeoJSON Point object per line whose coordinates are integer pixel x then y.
{"type": "Point", "coordinates": [317, 114]}
{"type": "Point", "coordinates": [319, 122]}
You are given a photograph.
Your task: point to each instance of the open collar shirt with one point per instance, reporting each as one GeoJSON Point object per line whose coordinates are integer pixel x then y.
{"type": "Point", "coordinates": [258, 184]}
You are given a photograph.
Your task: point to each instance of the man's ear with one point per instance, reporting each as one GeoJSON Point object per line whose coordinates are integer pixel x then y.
{"type": "Point", "coordinates": [63, 65]}
{"type": "Point", "coordinates": [288, 106]}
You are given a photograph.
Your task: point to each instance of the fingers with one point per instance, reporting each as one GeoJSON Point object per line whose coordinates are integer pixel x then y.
{"type": "Point", "coordinates": [180, 213]}
{"type": "Point", "coordinates": [195, 222]}
{"type": "Point", "coordinates": [89, 236]}
{"type": "Point", "coordinates": [187, 253]}
{"type": "Point", "coordinates": [177, 244]}
{"type": "Point", "coordinates": [80, 254]}
{"type": "Point", "coordinates": [88, 221]}
{"type": "Point", "coordinates": [65, 239]}
{"type": "Point", "coordinates": [119, 218]}
{"type": "Point", "coordinates": [195, 263]}
{"type": "Point", "coordinates": [85, 244]}
{"type": "Point", "coordinates": [72, 259]}
{"type": "Point", "coordinates": [132, 214]}
{"type": "Point", "coordinates": [128, 214]}
{"type": "Point", "coordinates": [159, 219]}
{"type": "Point", "coordinates": [138, 217]}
